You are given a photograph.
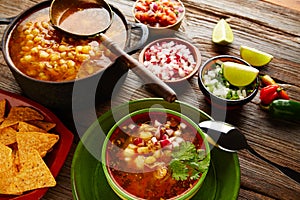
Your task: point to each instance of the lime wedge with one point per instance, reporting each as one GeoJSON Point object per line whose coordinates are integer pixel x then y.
{"type": "Point", "coordinates": [239, 74]}
{"type": "Point", "coordinates": [255, 57]}
{"type": "Point", "coordinates": [222, 33]}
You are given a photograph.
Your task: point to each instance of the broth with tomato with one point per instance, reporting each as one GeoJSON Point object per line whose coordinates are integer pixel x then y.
{"type": "Point", "coordinates": [143, 154]}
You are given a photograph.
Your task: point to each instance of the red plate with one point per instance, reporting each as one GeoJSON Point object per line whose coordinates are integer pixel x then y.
{"type": "Point", "coordinates": [54, 159]}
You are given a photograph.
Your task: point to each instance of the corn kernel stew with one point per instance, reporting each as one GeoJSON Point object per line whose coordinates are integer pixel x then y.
{"type": "Point", "coordinates": [44, 53]}
{"type": "Point", "coordinates": [141, 151]}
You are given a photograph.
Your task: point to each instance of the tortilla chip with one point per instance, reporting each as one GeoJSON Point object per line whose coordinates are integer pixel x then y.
{"type": "Point", "coordinates": [7, 169]}
{"type": "Point", "coordinates": [42, 142]}
{"type": "Point", "coordinates": [8, 136]}
{"type": "Point", "coordinates": [18, 114]}
{"type": "Point", "coordinates": [47, 126]}
{"type": "Point", "coordinates": [25, 127]}
{"type": "Point", "coordinates": [33, 174]}
{"type": "Point", "coordinates": [2, 109]}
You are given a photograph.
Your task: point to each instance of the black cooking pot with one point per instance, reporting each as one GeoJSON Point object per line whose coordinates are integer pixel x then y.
{"type": "Point", "coordinates": [99, 86]}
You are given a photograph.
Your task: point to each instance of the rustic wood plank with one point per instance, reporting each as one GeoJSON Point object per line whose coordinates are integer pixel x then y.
{"type": "Point", "coordinates": [291, 4]}
{"type": "Point", "coordinates": [255, 23]}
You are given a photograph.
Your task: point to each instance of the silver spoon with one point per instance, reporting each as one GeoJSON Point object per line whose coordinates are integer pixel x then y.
{"type": "Point", "coordinates": [89, 18]}
{"type": "Point", "coordinates": [230, 139]}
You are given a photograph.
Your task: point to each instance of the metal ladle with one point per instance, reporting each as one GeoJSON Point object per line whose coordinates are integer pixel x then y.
{"type": "Point", "coordinates": [60, 10]}
{"type": "Point", "coordinates": [230, 139]}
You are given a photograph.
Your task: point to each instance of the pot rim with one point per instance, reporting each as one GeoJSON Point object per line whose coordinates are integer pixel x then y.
{"type": "Point", "coordinates": [37, 7]}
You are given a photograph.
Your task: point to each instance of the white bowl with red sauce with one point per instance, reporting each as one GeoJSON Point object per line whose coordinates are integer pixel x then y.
{"type": "Point", "coordinates": [143, 152]}
{"type": "Point", "coordinates": [173, 60]}
{"type": "Point", "coordinates": [159, 15]}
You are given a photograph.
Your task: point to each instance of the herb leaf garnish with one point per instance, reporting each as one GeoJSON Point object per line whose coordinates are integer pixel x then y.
{"type": "Point", "coordinates": [188, 162]}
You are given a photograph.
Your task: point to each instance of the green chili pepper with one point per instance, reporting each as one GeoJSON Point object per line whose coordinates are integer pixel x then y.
{"type": "Point", "coordinates": [288, 109]}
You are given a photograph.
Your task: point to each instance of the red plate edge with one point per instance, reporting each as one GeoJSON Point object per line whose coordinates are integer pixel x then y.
{"type": "Point", "coordinates": [56, 158]}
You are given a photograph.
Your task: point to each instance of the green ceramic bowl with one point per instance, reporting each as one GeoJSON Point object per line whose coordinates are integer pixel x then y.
{"type": "Point", "coordinates": [142, 116]}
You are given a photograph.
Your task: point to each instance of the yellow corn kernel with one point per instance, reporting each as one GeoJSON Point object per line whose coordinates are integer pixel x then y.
{"type": "Point", "coordinates": [50, 51]}
{"type": "Point", "coordinates": [27, 58]}
{"type": "Point", "coordinates": [82, 57]}
{"type": "Point", "coordinates": [150, 160]}
{"type": "Point", "coordinates": [63, 48]}
{"type": "Point", "coordinates": [29, 37]}
{"type": "Point", "coordinates": [37, 39]}
{"type": "Point", "coordinates": [30, 43]}
{"type": "Point", "coordinates": [86, 49]}
{"type": "Point", "coordinates": [42, 65]}
{"type": "Point", "coordinates": [31, 72]}
{"type": "Point", "coordinates": [64, 67]}
{"type": "Point", "coordinates": [34, 50]}
{"type": "Point", "coordinates": [45, 25]}
{"type": "Point", "coordinates": [54, 56]}
{"type": "Point", "coordinates": [43, 54]}
{"type": "Point", "coordinates": [78, 49]}
{"type": "Point", "coordinates": [27, 32]}
{"type": "Point", "coordinates": [71, 55]}
{"type": "Point", "coordinates": [43, 76]}
{"type": "Point", "coordinates": [25, 48]}
{"type": "Point", "coordinates": [142, 150]}
{"type": "Point", "coordinates": [35, 31]}
{"type": "Point", "coordinates": [128, 152]}
{"type": "Point", "coordinates": [62, 61]}
{"type": "Point", "coordinates": [71, 63]}
{"type": "Point", "coordinates": [63, 54]}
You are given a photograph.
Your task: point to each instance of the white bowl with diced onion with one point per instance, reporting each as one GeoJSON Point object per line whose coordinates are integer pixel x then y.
{"type": "Point", "coordinates": [218, 91]}
{"type": "Point", "coordinates": [173, 60]}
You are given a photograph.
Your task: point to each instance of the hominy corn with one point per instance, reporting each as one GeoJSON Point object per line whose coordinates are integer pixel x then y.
{"type": "Point", "coordinates": [46, 54]}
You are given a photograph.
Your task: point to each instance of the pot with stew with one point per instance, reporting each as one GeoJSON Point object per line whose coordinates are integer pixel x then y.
{"type": "Point", "coordinates": [62, 71]}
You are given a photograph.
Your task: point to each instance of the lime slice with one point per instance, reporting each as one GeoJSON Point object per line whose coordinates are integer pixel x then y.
{"type": "Point", "coordinates": [238, 74]}
{"type": "Point", "coordinates": [255, 57]}
{"type": "Point", "coordinates": [222, 33]}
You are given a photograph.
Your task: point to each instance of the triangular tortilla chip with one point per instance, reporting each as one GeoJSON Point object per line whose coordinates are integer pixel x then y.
{"type": "Point", "coordinates": [42, 142]}
{"type": "Point", "coordinates": [21, 114]}
{"type": "Point", "coordinates": [25, 127]}
{"type": "Point", "coordinates": [33, 174]}
{"type": "Point", "coordinates": [8, 136]}
{"type": "Point", "coordinates": [7, 169]}
{"type": "Point", "coordinates": [47, 126]}
{"type": "Point", "coordinates": [2, 109]}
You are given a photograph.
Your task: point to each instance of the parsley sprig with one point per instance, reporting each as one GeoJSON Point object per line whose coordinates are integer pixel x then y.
{"type": "Point", "coordinates": [188, 162]}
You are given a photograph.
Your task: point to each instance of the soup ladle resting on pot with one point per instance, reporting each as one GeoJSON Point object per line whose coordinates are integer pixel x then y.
{"type": "Point", "coordinates": [230, 139]}
{"type": "Point", "coordinates": [88, 18]}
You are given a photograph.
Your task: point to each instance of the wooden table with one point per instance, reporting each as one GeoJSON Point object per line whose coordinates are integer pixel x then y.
{"type": "Point", "coordinates": [259, 24]}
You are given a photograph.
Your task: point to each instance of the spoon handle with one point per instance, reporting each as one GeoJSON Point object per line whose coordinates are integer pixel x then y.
{"type": "Point", "coordinates": [152, 81]}
{"type": "Point", "coordinates": [287, 171]}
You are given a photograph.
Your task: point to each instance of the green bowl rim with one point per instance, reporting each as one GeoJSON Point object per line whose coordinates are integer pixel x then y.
{"type": "Point", "coordinates": [124, 194]}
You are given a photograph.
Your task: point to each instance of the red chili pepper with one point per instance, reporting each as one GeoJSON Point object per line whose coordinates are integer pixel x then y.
{"type": "Point", "coordinates": [270, 83]}
{"type": "Point", "coordinates": [283, 94]}
{"type": "Point", "coordinates": [268, 94]}
{"type": "Point", "coordinates": [272, 92]}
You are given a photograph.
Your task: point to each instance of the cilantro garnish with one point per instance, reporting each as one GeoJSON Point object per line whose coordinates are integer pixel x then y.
{"type": "Point", "coordinates": [188, 162]}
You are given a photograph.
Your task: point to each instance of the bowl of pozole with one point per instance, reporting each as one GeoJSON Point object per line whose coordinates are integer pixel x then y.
{"type": "Point", "coordinates": [155, 154]}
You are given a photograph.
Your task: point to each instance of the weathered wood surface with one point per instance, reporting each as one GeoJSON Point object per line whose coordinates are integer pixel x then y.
{"type": "Point", "coordinates": [255, 23]}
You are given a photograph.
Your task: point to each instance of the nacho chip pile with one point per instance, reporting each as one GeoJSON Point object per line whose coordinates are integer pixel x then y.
{"type": "Point", "coordinates": [24, 141]}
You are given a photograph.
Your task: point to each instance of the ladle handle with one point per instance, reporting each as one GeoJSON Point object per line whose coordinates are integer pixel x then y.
{"type": "Point", "coordinates": [287, 171]}
{"type": "Point", "coordinates": [154, 83]}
